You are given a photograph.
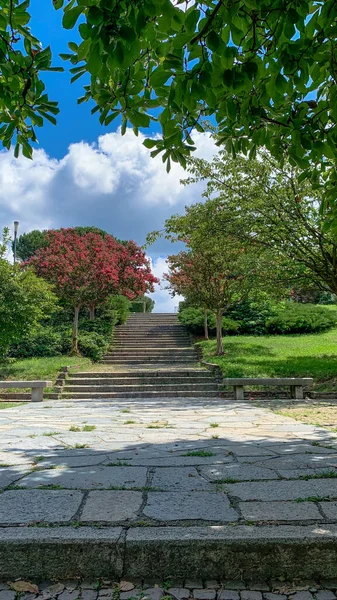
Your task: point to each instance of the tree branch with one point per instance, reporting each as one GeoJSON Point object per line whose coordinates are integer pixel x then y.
{"type": "Point", "coordinates": [208, 24]}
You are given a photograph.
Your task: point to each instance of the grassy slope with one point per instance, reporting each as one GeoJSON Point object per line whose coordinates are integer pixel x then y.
{"type": "Point", "coordinates": [40, 368]}
{"type": "Point", "coordinates": [280, 356]}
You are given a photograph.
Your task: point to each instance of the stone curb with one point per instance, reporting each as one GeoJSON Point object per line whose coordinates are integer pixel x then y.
{"type": "Point", "coordinates": [219, 552]}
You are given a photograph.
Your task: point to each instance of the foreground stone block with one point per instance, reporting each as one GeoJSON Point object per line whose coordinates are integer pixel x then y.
{"type": "Point", "coordinates": [224, 551]}
{"type": "Point", "coordinates": [174, 506]}
{"type": "Point", "coordinates": [60, 552]}
{"type": "Point", "coordinates": [28, 506]}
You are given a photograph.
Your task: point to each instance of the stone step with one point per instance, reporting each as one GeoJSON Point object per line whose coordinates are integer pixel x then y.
{"type": "Point", "coordinates": [143, 394]}
{"type": "Point", "coordinates": [250, 554]}
{"type": "Point", "coordinates": [129, 387]}
{"type": "Point", "coordinates": [189, 380]}
{"type": "Point", "coordinates": [135, 333]}
{"type": "Point", "coordinates": [140, 374]}
{"type": "Point", "coordinates": [145, 361]}
{"type": "Point", "coordinates": [139, 357]}
{"type": "Point", "coordinates": [153, 351]}
{"type": "Point", "coordinates": [152, 340]}
{"type": "Point", "coordinates": [169, 326]}
{"type": "Point", "coordinates": [155, 321]}
{"type": "Point", "coordinates": [149, 345]}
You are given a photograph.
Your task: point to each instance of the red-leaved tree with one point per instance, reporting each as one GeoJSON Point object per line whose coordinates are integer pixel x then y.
{"type": "Point", "coordinates": [86, 269]}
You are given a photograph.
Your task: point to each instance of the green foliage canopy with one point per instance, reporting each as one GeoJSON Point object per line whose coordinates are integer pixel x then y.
{"type": "Point", "coordinates": [265, 71]}
{"type": "Point", "coordinates": [25, 300]}
{"type": "Point", "coordinates": [262, 202]}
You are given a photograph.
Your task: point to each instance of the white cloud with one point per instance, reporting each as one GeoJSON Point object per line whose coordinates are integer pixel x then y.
{"type": "Point", "coordinates": [164, 302]}
{"type": "Point", "coordinates": [114, 184]}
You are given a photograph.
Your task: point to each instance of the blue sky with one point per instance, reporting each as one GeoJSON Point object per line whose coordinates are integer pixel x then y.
{"type": "Point", "coordinates": [86, 174]}
{"type": "Point", "coordinates": [74, 121]}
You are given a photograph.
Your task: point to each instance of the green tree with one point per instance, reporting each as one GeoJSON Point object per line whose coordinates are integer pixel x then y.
{"type": "Point", "coordinates": [266, 71]}
{"type": "Point", "coordinates": [25, 300]}
{"type": "Point", "coordinates": [218, 270]}
{"type": "Point", "coordinates": [28, 244]}
{"type": "Point", "coordinates": [143, 304]}
{"type": "Point", "coordinates": [260, 201]}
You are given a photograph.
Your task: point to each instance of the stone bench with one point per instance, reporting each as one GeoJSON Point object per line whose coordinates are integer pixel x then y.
{"type": "Point", "coordinates": [295, 383]}
{"type": "Point", "coordinates": [37, 387]}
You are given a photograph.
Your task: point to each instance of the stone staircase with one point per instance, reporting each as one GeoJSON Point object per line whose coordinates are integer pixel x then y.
{"type": "Point", "coordinates": [151, 357]}
{"type": "Point", "coordinates": [148, 339]}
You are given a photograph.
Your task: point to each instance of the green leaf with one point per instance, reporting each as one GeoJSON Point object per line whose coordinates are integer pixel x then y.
{"type": "Point", "coordinates": [139, 119]}
{"type": "Point", "coordinates": [124, 124]}
{"type": "Point", "coordinates": [94, 59]}
{"type": "Point", "coordinates": [159, 77]}
{"type": "Point", "coordinates": [58, 4]}
{"type": "Point", "coordinates": [95, 15]}
{"type": "Point", "coordinates": [77, 76]}
{"type": "Point", "coordinates": [191, 20]}
{"type": "Point", "coordinates": [213, 40]}
{"type": "Point", "coordinates": [127, 33]}
{"type": "Point", "coordinates": [111, 117]}
{"type": "Point", "coordinates": [70, 17]}
{"type": "Point", "coordinates": [149, 143]}
{"type": "Point", "coordinates": [3, 22]}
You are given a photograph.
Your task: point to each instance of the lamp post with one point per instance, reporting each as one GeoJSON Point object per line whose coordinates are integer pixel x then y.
{"type": "Point", "coordinates": [16, 227]}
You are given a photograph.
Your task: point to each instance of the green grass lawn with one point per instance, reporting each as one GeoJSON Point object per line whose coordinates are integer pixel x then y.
{"type": "Point", "coordinates": [40, 368]}
{"type": "Point", "coordinates": [313, 355]}
{"type": "Point", "coordinates": [9, 404]}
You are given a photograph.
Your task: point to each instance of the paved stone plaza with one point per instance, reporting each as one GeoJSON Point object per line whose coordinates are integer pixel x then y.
{"type": "Point", "coordinates": [150, 488]}
{"type": "Point", "coordinates": [179, 462]}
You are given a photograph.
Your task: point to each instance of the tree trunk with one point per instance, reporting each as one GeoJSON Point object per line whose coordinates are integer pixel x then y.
{"type": "Point", "coordinates": [92, 313]}
{"type": "Point", "coordinates": [219, 345]}
{"type": "Point", "coordinates": [74, 349]}
{"type": "Point", "coordinates": [205, 324]}
{"type": "Point", "coordinates": [144, 306]}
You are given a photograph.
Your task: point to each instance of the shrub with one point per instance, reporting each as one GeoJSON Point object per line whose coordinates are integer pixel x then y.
{"type": "Point", "coordinates": [193, 319]}
{"type": "Point", "coordinates": [119, 307]}
{"type": "Point", "coordinates": [252, 315]}
{"type": "Point", "coordinates": [300, 318]}
{"type": "Point", "coordinates": [229, 326]}
{"type": "Point", "coordinates": [92, 344]}
{"type": "Point", "coordinates": [43, 342]}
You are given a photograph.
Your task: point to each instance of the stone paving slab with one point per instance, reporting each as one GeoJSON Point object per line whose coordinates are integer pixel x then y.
{"type": "Point", "coordinates": [175, 506]}
{"type": "Point", "coordinates": [237, 472]}
{"type": "Point", "coordinates": [28, 506]}
{"type": "Point", "coordinates": [329, 509]}
{"type": "Point", "coordinates": [280, 511]}
{"type": "Point", "coordinates": [283, 490]}
{"type": "Point", "coordinates": [87, 478]}
{"type": "Point", "coordinates": [111, 506]}
{"type": "Point", "coordinates": [299, 461]}
{"type": "Point", "coordinates": [10, 475]}
{"type": "Point", "coordinates": [179, 478]}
